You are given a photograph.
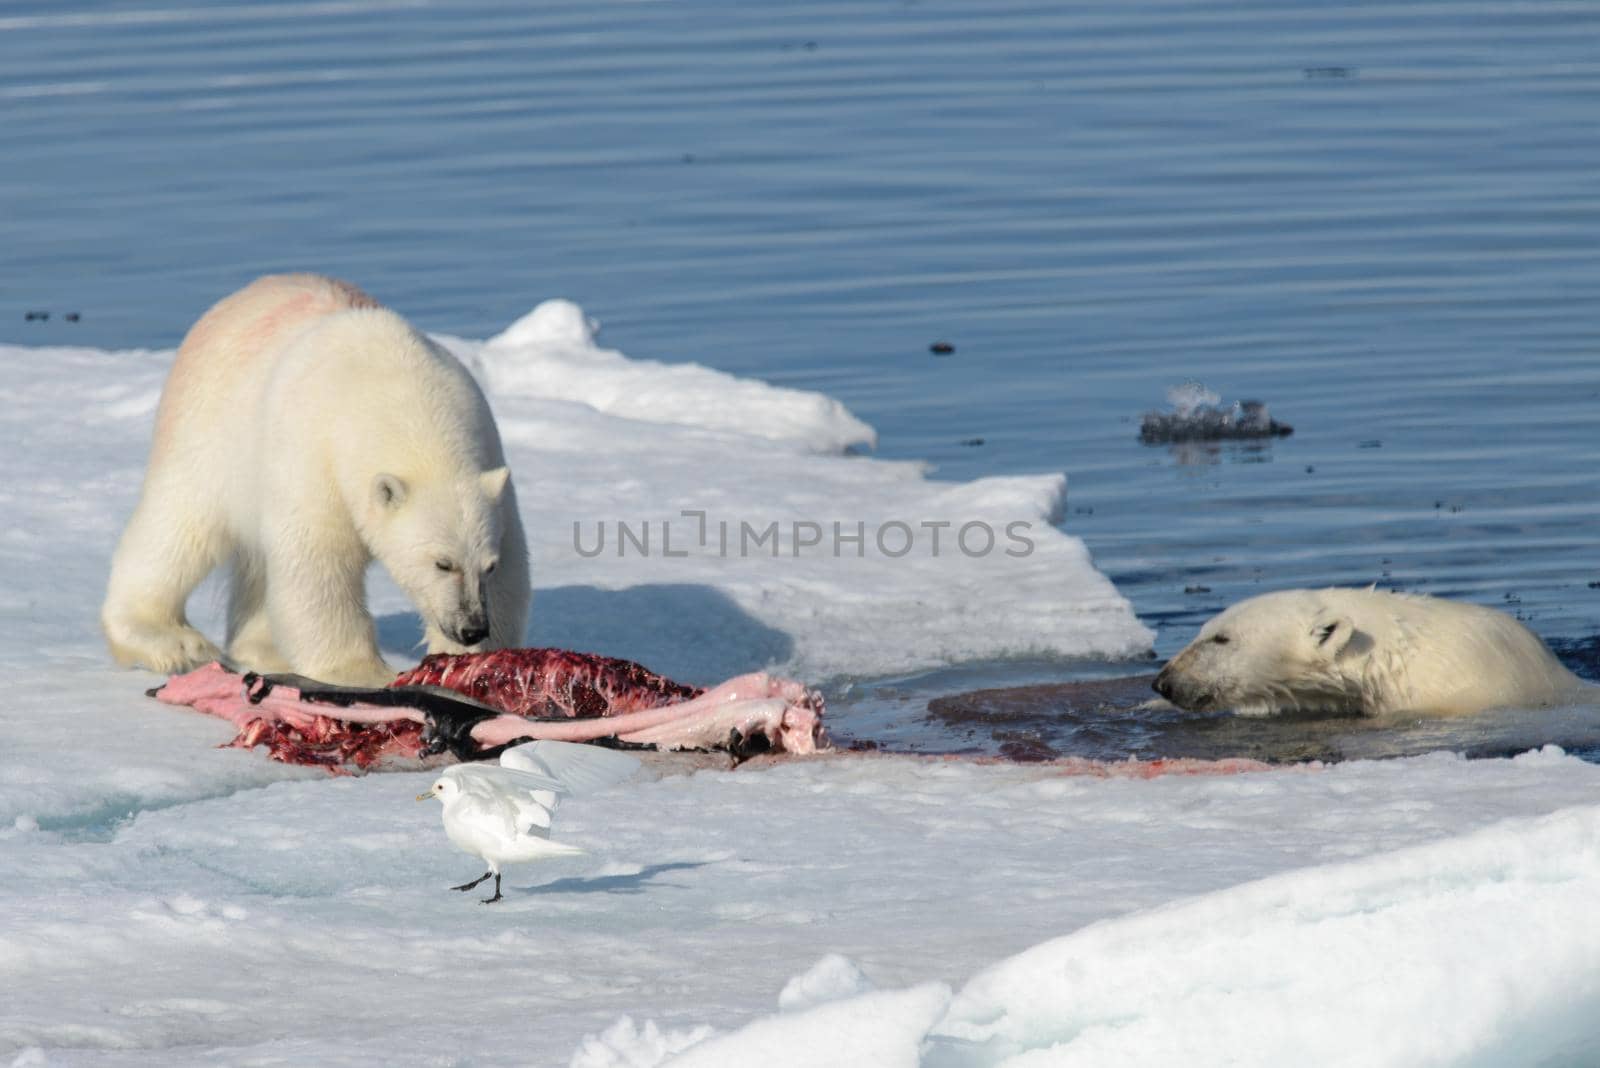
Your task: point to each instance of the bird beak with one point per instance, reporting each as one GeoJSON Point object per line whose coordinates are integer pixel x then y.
{"type": "Point", "coordinates": [424, 797]}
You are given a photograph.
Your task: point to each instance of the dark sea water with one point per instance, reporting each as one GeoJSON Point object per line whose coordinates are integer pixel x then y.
{"type": "Point", "coordinates": [1382, 219]}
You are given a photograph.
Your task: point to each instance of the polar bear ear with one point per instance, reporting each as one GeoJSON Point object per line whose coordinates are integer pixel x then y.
{"type": "Point", "coordinates": [388, 491]}
{"type": "Point", "coordinates": [494, 482]}
{"type": "Point", "coordinates": [1332, 634]}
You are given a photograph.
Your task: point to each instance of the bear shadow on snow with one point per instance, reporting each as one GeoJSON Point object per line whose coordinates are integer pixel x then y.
{"type": "Point", "coordinates": [691, 633]}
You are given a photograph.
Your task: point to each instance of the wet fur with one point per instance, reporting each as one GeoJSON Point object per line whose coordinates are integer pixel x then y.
{"type": "Point", "coordinates": [1365, 652]}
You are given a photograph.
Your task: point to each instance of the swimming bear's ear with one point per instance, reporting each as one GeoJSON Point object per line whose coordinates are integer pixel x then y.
{"type": "Point", "coordinates": [388, 491]}
{"type": "Point", "coordinates": [494, 482]}
{"type": "Point", "coordinates": [1331, 634]}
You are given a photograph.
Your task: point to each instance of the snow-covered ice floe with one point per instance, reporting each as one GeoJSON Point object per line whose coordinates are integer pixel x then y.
{"type": "Point", "coordinates": [163, 901]}
{"type": "Point", "coordinates": [747, 525]}
{"type": "Point", "coordinates": [1421, 911]}
{"type": "Point", "coordinates": [598, 442]}
{"type": "Point", "coordinates": [814, 562]}
{"type": "Point", "coordinates": [1478, 949]}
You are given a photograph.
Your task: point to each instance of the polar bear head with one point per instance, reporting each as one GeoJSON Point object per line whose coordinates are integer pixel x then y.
{"type": "Point", "coordinates": [440, 541]}
{"type": "Point", "coordinates": [1277, 652]}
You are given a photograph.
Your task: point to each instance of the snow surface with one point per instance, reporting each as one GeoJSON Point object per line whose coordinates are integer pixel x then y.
{"type": "Point", "coordinates": [602, 439]}
{"type": "Point", "coordinates": [163, 901]}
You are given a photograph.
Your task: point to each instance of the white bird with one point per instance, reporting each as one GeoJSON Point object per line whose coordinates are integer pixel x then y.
{"type": "Point", "coordinates": [502, 813]}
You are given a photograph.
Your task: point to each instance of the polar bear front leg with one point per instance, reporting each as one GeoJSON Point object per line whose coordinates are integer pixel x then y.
{"type": "Point", "coordinates": [164, 553]}
{"type": "Point", "coordinates": [250, 644]}
{"type": "Point", "coordinates": [509, 594]}
{"type": "Point", "coordinates": [317, 612]}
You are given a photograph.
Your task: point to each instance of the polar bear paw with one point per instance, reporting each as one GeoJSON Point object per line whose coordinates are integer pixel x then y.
{"type": "Point", "coordinates": [169, 649]}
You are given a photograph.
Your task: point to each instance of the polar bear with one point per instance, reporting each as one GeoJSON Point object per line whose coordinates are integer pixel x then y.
{"type": "Point", "coordinates": [303, 432]}
{"type": "Point", "coordinates": [1368, 652]}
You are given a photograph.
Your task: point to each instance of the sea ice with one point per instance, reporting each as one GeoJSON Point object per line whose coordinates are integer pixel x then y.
{"type": "Point", "coordinates": [1476, 949]}
{"type": "Point", "coordinates": [163, 901]}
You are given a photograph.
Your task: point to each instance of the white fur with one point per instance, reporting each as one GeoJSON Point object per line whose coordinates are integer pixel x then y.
{"type": "Point", "coordinates": [1365, 651]}
{"type": "Point", "coordinates": [303, 432]}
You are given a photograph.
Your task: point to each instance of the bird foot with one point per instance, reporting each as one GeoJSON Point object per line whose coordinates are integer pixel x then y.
{"type": "Point", "coordinates": [475, 882]}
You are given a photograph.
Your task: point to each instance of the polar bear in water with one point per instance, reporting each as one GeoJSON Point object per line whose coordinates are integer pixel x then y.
{"type": "Point", "coordinates": [303, 432]}
{"type": "Point", "coordinates": [1367, 652]}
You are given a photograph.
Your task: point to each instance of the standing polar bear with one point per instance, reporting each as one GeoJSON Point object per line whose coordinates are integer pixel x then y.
{"type": "Point", "coordinates": [1366, 652]}
{"type": "Point", "coordinates": [303, 432]}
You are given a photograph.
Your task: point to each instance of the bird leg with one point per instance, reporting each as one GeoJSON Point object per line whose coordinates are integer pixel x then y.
{"type": "Point", "coordinates": [492, 900]}
{"type": "Point", "coordinates": [475, 882]}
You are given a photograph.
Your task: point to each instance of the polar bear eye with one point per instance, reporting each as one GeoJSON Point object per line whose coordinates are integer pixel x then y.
{"type": "Point", "coordinates": [444, 565]}
{"type": "Point", "coordinates": [489, 568]}
{"type": "Point", "coordinates": [1220, 639]}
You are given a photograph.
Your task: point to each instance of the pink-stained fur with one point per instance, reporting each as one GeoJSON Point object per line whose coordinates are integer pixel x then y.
{"type": "Point", "coordinates": [279, 304]}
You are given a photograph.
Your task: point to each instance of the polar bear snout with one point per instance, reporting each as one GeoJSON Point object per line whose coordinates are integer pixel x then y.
{"type": "Point", "coordinates": [473, 632]}
{"type": "Point", "coordinates": [466, 622]}
{"type": "Point", "coordinates": [459, 621]}
{"type": "Point", "coordinates": [1181, 688]}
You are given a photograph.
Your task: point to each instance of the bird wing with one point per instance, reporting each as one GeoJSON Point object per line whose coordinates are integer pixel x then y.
{"type": "Point", "coordinates": [518, 797]}
{"type": "Point", "coordinates": [499, 777]}
{"type": "Point", "coordinates": [480, 816]}
{"type": "Point", "coordinates": [535, 798]}
{"type": "Point", "coordinates": [576, 768]}
{"type": "Point", "coordinates": [513, 802]}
